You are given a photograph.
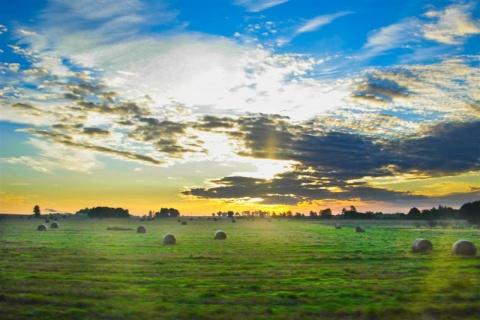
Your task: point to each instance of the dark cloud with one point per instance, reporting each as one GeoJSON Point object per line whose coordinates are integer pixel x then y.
{"type": "Point", "coordinates": [64, 126]}
{"type": "Point", "coordinates": [70, 142]}
{"type": "Point", "coordinates": [445, 148]}
{"type": "Point", "coordinates": [164, 135]}
{"type": "Point", "coordinates": [327, 161]}
{"type": "Point", "coordinates": [96, 132]}
{"type": "Point", "coordinates": [208, 122]}
{"type": "Point", "coordinates": [379, 89]}
{"type": "Point", "coordinates": [27, 108]}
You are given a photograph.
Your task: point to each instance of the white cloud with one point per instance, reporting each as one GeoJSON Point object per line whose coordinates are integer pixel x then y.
{"type": "Point", "coordinates": [452, 25]}
{"type": "Point", "coordinates": [102, 20]}
{"type": "Point", "coordinates": [3, 29]}
{"type": "Point", "coordinates": [320, 21]}
{"type": "Point", "coordinates": [53, 156]}
{"type": "Point", "coordinates": [258, 5]}
{"type": "Point", "coordinates": [391, 37]}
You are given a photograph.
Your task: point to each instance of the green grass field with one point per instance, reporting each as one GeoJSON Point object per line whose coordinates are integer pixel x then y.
{"type": "Point", "coordinates": [298, 269]}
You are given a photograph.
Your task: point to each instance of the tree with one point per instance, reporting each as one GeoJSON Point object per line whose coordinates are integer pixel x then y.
{"type": "Point", "coordinates": [326, 213]}
{"type": "Point", "coordinates": [107, 212]}
{"type": "Point", "coordinates": [165, 213]}
{"type": "Point", "coordinates": [414, 213]}
{"type": "Point", "coordinates": [470, 211]}
{"type": "Point", "coordinates": [36, 211]}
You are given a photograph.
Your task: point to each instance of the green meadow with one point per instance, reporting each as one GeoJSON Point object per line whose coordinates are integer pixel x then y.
{"type": "Point", "coordinates": [278, 269]}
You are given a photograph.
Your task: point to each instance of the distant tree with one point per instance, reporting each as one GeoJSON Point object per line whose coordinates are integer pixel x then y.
{"type": "Point", "coordinates": [414, 213]}
{"type": "Point", "coordinates": [326, 213]}
{"type": "Point", "coordinates": [230, 214]}
{"type": "Point", "coordinates": [83, 211]}
{"type": "Point", "coordinates": [470, 211]}
{"type": "Point", "coordinates": [107, 212]}
{"type": "Point", "coordinates": [36, 211]}
{"type": "Point", "coordinates": [313, 214]}
{"type": "Point", "coordinates": [167, 212]}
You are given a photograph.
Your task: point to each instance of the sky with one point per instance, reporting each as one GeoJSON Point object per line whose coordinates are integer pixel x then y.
{"type": "Point", "coordinates": [208, 106]}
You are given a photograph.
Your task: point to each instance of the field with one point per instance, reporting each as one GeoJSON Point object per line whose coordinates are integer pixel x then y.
{"type": "Point", "coordinates": [278, 269]}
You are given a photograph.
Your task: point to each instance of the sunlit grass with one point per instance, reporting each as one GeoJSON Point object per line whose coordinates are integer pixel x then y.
{"type": "Point", "coordinates": [277, 269]}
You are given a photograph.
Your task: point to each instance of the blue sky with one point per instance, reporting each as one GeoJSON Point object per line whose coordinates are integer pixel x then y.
{"type": "Point", "coordinates": [244, 105]}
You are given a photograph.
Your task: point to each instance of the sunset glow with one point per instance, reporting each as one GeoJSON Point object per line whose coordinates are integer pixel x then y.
{"type": "Point", "coordinates": [210, 106]}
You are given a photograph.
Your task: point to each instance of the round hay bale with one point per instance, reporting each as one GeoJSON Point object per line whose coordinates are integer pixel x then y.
{"type": "Point", "coordinates": [183, 223]}
{"type": "Point", "coordinates": [338, 226]}
{"type": "Point", "coordinates": [141, 229]}
{"type": "Point", "coordinates": [359, 229]}
{"type": "Point", "coordinates": [233, 221]}
{"type": "Point", "coordinates": [42, 227]}
{"type": "Point", "coordinates": [169, 239]}
{"type": "Point", "coordinates": [54, 225]}
{"type": "Point", "coordinates": [220, 235]}
{"type": "Point", "coordinates": [464, 247]}
{"type": "Point", "coordinates": [421, 245]}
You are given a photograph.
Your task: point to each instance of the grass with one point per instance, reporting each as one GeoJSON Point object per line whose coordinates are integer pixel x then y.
{"type": "Point", "coordinates": [280, 269]}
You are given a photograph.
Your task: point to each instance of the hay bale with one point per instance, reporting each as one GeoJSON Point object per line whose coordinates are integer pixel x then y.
{"type": "Point", "coordinates": [183, 223]}
{"type": "Point", "coordinates": [220, 235]}
{"type": "Point", "coordinates": [54, 225]}
{"type": "Point", "coordinates": [421, 245]}
{"type": "Point", "coordinates": [141, 229]}
{"type": "Point", "coordinates": [338, 226]}
{"type": "Point", "coordinates": [359, 229]}
{"type": "Point", "coordinates": [464, 247]}
{"type": "Point", "coordinates": [233, 221]}
{"type": "Point", "coordinates": [118, 229]}
{"type": "Point", "coordinates": [169, 239]}
{"type": "Point", "coordinates": [42, 227]}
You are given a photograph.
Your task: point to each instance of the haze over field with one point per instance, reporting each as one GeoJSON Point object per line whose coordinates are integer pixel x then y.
{"type": "Point", "coordinates": [239, 105]}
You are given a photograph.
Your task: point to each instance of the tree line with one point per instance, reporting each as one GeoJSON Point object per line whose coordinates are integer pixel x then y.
{"type": "Point", "coordinates": [469, 211]}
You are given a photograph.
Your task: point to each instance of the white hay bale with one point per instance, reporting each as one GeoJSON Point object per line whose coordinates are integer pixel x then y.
{"type": "Point", "coordinates": [338, 226]}
{"type": "Point", "coordinates": [464, 247]}
{"type": "Point", "coordinates": [42, 227]}
{"type": "Point", "coordinates": [359, 229]}
{"type": "Point", "coordinates": [54, 225]}
{"type": "Point", "coordinates": [141, 229]}
{"type": "Point", "coordinates": [421, 245]}
{"type": "Point", "coordinates": [220, 235]}
{"type": "Point", "coordinates": [169, 239]}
